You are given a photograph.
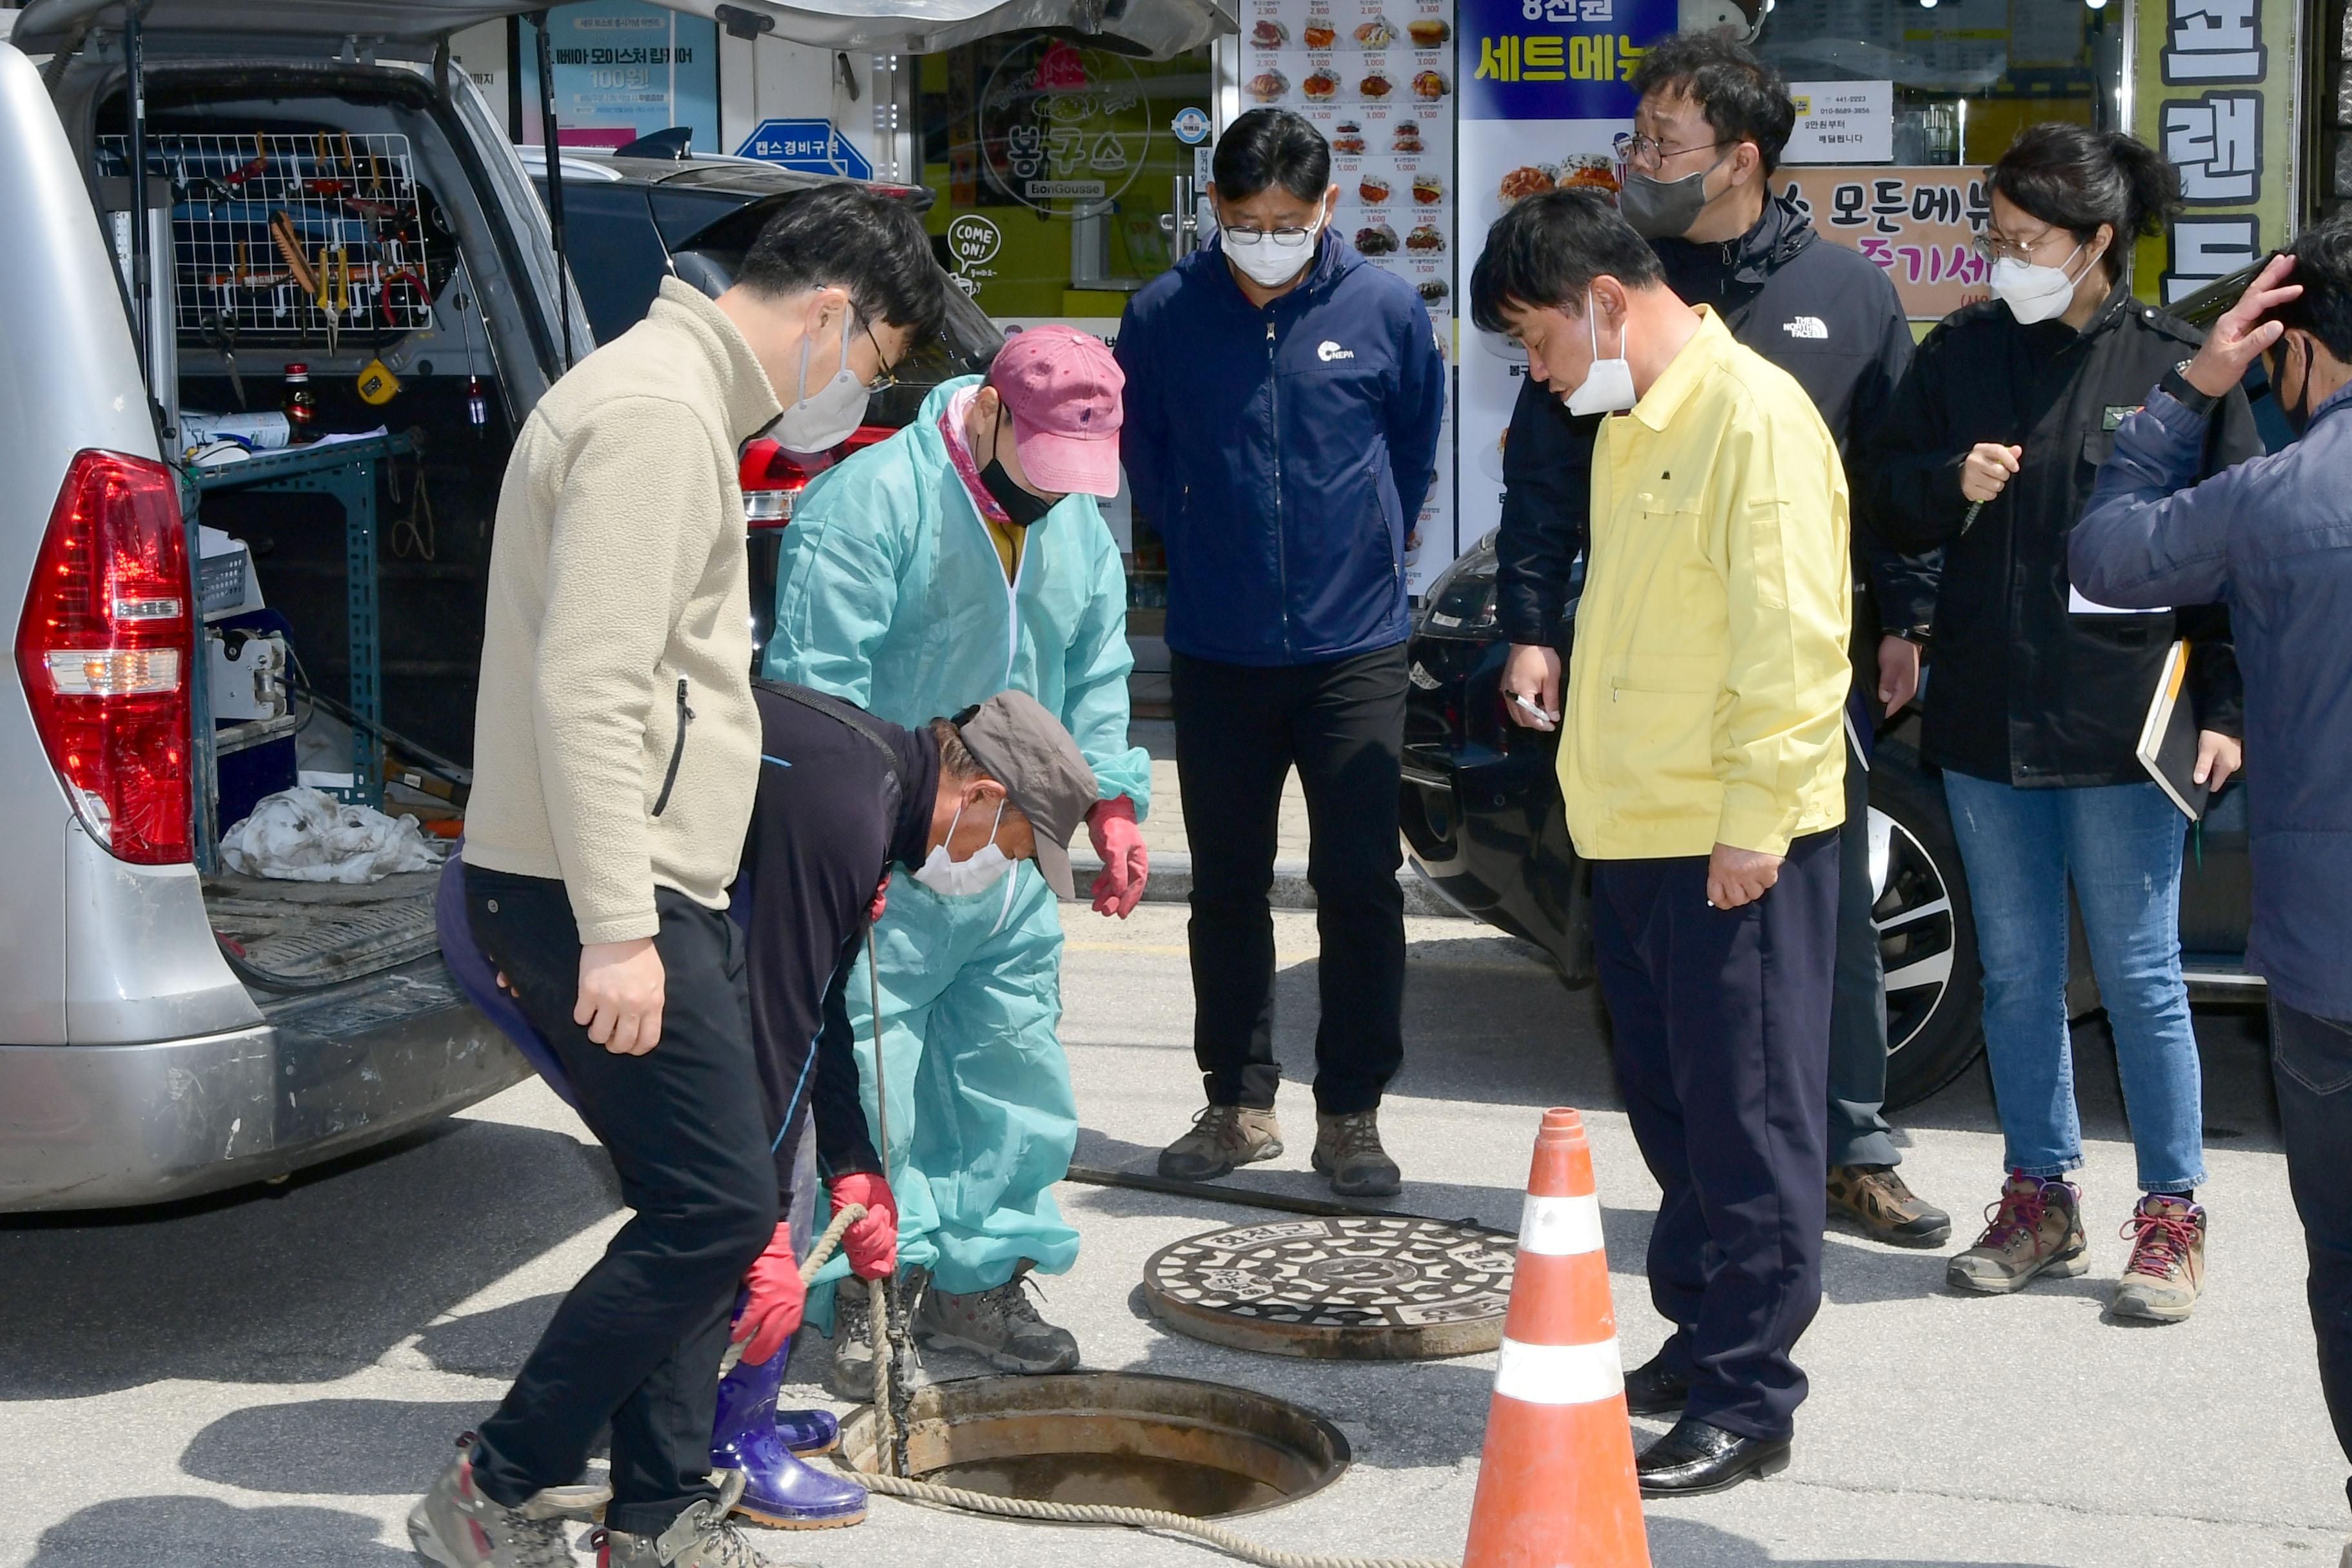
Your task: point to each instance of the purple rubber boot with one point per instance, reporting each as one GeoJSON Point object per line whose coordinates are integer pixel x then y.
{"type": "Point", "coordinates": [808, 1433]}
{"type": "Point", "coordinates": [778, 1489]}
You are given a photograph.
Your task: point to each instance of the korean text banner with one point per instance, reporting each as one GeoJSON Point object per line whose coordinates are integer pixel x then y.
{"type": "Point", "coordinates": [2217, 81]}
{"type": "Point", "coordinates": [1919, 225]}
{"type": "Point", "coordinates": [1555, 59]}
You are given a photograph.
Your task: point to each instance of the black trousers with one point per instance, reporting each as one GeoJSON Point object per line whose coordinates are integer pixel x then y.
{"type": "Point", "coordinates": [1720, 1020]}
{"type": "Point", "coordinates": [1858, 1132]}
{"type": "Point", "coordinates": [2311, 1058]}
{"type": "Point", "coordinates": [1240, 729]}
{"type": "Point", "coordinates": [638, 1341]}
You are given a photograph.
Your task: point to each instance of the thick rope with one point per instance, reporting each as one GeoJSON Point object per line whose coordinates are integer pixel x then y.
{"type": "Point", "coordinates": [825, 1246]}
{"type": "Point", "coordinates": [1199, 1530]}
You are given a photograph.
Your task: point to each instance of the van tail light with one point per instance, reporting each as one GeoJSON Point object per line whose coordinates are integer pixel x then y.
{"type": "Point", "coordinates": [773, 478]}
{"type": "Point", "coordinates": [106, 649]}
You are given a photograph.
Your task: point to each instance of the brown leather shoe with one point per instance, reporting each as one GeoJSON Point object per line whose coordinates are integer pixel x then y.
{"type": "Point", "coordinates": [1876, 1198]}
{"type": "Point", "coordinates": [1222, 1136]}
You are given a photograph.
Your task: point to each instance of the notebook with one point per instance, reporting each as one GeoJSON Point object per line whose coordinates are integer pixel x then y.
{"type": "Point", "coordinates": [2168, 741]}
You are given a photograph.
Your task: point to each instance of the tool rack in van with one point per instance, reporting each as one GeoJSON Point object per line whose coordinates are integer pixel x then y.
{"type": "Point", "coordinates": [345, 471]}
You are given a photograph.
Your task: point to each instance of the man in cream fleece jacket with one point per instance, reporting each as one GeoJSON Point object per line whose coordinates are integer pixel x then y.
{"type": "Point", "coordinates": [616, 757]}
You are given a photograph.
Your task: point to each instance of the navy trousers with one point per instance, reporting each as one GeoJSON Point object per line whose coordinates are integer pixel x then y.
{"type": "Point", "coordinates": [1720, 1020]}
{"type": "Point", "coordinates": [2311, 1058]}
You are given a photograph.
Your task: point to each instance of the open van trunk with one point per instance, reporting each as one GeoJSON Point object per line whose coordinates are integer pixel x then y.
{"type": "Point", "coordinates": [385, 197]}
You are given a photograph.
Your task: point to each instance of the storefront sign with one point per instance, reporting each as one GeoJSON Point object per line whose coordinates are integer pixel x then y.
{"type": "Point", "coordinates": [1916, 223]}
{"type": "Point", "coordinates": [2216, 91]}
{"type": "Point", "coordinates": [1545, 94]}
{"type": "Point", "coordinates": [813, 146]}
{"type": "Point", "coordinates": [1841, 122]}
{"type": "Point", "coordinates": [1060, 126]}
{"type": "Point", "coordinates": [973, 243]}
{"type": "Point", "coordinates": [1377, 80]}
{"type": "Point", "coordinates": [625, 70]}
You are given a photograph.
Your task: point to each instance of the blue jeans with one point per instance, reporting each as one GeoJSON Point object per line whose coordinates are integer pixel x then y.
{"type": "Point", "coordinates": [2120, 844]}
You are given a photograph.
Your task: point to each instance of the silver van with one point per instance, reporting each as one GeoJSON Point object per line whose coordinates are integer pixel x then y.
{"type": "Point", "coordinates": [203, 610]}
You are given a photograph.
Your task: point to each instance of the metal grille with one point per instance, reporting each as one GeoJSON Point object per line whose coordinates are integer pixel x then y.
{"type": "Point", "coordinates": [273, 235]}
{"type": "Point", "coordinates": [1359, 1289]}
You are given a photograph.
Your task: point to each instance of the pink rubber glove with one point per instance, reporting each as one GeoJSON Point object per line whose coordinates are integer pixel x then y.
{"type": "Point", "coordinates": [774, 1312]}
{"type": "Point", "coordinates": [873, 1242]}
{"type": "Point", "coordinates": [1119, 887]}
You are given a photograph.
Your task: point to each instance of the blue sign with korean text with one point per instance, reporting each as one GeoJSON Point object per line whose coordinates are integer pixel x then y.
{"type": "Point", "coordinates": [1555, 59]}
{"type": "Point", "coordinates": [813, 146]}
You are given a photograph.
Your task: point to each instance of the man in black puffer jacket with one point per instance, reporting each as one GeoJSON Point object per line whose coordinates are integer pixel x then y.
{"type": "Point", "coordinates": [1712, 121]}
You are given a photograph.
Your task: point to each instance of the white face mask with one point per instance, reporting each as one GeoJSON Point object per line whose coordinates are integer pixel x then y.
{"type": "Point", "coordinates": [1608, 386]}
{"type": "Point", "coordinates": [962, 878]}
{"type": "Point", "coordinates": [820, 421]}
{"type": "Point", "coordinates": [2034, 293]}
{"type": "Point", "coordinates": [1270, 262]}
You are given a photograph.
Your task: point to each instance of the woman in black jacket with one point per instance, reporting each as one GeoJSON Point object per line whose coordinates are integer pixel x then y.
{"type": "Point", "coordinates": [2038, 695]}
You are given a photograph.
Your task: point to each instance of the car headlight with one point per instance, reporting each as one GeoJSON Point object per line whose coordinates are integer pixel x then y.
{"type": "Point", "coordinates": [1461, 602]}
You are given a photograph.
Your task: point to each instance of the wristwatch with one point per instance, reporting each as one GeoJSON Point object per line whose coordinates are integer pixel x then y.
{"type": "Point", "coordinates": [1918, 634]}
{"type": "Point", "coordinates": [2176, 386]}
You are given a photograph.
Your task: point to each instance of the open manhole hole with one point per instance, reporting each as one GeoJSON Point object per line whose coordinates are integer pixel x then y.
{"type": "Point", "coordinates": [1359, 1289]}
{"type": "Point", "coordinates": [1126, 1439]}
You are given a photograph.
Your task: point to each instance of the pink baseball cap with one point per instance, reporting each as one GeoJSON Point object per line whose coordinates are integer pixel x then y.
{"type": "Point", "coordinates": [1063, 389]}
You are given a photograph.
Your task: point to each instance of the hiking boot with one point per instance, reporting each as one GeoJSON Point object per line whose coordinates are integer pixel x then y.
{"type": "Point", "coordinates": [1348, 1149]}
{"type": "Point", "coordinates": [1222, 1136]}
{"type": "Point", "coordinates": [700, 1538]}
{"type": "Point", "coordinates": [2036, 1228]}
{"type": "Point", "coordinates": [1876, 1198]}
{"type": "Point", "coordinates": [2167, 1270]}
{"type": "Point", "coordinates": [457, 1526]}
{"type": "Point", "coordinates": [852, 1377]}
{"type": "Point", "coordinates": [1002, 1324]}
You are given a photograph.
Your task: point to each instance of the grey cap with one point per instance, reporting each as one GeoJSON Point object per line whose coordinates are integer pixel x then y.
{"type": "Point", "coordinates": [1025, 749]}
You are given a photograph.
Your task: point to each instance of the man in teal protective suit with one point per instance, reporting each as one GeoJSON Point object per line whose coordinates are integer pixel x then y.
{"type": "Point", "coordinates": [961, 557]}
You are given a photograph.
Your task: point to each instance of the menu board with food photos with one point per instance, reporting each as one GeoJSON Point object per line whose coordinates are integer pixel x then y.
{"type": "Point", "coordinates": [1545, 94]}
{"type": "Point", "coordinates": [1376, 78]}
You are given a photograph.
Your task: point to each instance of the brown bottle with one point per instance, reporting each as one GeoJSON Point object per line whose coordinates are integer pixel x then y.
{"type": "Point", "coordinates": [301, 406]}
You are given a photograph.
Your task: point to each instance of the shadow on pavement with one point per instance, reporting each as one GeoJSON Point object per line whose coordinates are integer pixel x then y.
{"type": "Point", "coordinates": [202, 1532]}
{"type": "Point", "coordinates": [310, 1280]}
{"type": "Point", "coordinates": [1625, 1232]}
{"type": "Point", "coordinates": [343, 1447]}
{"type": "Point", "coordinates": [1689, 1544]}
{"type": "Point", "coordinates": [491, 1343]}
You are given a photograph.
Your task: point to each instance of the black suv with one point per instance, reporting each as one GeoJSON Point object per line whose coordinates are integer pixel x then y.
{"type": "Point", "coordinates": [1483, 823]}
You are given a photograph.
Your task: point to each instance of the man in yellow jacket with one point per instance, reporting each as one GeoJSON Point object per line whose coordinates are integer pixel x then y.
{"type": "Point", "coordinates": [1703, 766]}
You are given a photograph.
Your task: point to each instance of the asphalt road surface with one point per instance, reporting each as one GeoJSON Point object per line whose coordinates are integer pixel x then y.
{"type": "Point", "coordinates": [266, 1379]}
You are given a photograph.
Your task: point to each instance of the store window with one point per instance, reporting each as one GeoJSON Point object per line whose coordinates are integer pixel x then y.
{"type": "Point", "coordinates": [1902, 106]}
{"type": "Point", "coordinates": [1054, 167]}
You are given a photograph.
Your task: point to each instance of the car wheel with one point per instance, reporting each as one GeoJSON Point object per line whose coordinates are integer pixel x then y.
{"type": "Point", "coordinates": [1927, 934]}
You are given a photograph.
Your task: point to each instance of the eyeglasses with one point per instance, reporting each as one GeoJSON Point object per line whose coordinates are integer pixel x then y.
{"type": "Point", "coordinates": [1990, 246]}
{"type": "Point", "coordinates": [888, 378]}
{"type": "Point", "coordinates": [1635, 148]}
{"type": "Point", "coordinates": [1249, 236]}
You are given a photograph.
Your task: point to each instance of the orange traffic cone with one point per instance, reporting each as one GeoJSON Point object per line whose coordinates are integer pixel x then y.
{"type": "Point", "coordinates": [1557, 1486]}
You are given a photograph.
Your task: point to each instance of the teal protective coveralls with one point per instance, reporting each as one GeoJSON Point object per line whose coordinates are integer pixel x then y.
{"type": "Point", "coordinates": [890, 593]}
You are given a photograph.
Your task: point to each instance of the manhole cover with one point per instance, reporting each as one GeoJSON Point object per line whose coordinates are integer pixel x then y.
{"type": "Point", "coordinates": [1348, 1289]}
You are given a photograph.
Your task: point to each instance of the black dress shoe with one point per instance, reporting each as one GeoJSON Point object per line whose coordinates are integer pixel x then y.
{"type": "Point", "coordinates": [1654, 1389]}
{"type": "Point", "coordinates": [1696, 1459]}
